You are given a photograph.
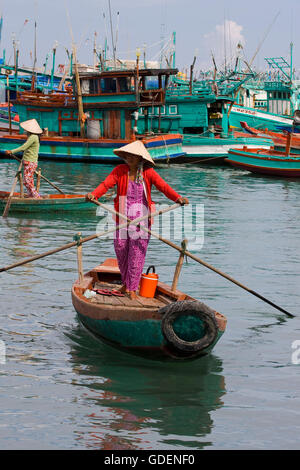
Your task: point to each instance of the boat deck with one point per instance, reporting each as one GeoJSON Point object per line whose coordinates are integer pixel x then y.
{"type": "Point", "coordinates": [125, 301]}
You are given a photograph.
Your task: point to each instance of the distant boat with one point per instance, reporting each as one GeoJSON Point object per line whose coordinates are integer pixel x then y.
{"type": "Point", "coordinates": [259, 119]}
{"type": "Point", "coordinates": [201, 117]}
{"type": "Point", "coordinates": [172, 325]}
{"type": "Point", "coordinates": [279, 138]}
{"type": "Point", "coordinates": [267, 162]}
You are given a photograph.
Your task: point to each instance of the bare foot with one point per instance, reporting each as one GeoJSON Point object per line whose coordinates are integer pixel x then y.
{"type": "Point", "coordinates": [132, 295]}
{"type": "Point", "coordinates": [123, 289]}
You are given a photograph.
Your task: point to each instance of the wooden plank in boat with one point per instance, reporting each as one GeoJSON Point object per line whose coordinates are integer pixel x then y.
{"type": "Point", "coordinates": [140, 301]}
{"type": "Point", "coordinates": [108, 300]}
{"type": "Point", "coordinates": [110, 265]}
{"type": "Point", "coordinates": [150, 302]}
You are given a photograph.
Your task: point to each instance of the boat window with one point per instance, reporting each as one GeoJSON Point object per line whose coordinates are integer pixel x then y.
{"type": "Point", "coordinates": [94, 86]}
{"type": "Point", "coordinates": [151, 83]}
{"type": "Point", "coordinates": [124, 84]}
{"type": "Point", "coordinates": [173, 109]}
{"type": "Point", "coordinates": [109, 85]}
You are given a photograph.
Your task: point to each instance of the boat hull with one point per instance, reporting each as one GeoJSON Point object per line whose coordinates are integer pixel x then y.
{"type": "Point", "coordinates": [52, 204]}
{"type": "Point", "coordinates": [259, 119]}
{"type": "Point", "coordinates": [216, 149]}
{"type": "Point", "coordinates": [164, 148]}
{"type": "Point", "coordinates": [267, 163]}
{"type": "Point", "coordinates": [137, 326]}
{"type": "Point", "coordinates": [142, 338]}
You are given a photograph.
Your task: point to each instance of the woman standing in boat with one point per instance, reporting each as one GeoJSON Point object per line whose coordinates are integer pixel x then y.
{"type": "Point", "coordinates": [30, 151]}
{"type": "Point", "coordinates": [134, 180]}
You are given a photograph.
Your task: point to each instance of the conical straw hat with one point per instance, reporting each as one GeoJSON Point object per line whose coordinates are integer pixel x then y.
{"type": "Point", "coordinates": [31, 126]}
{"type": "Point", "coordinates": [135, 148]}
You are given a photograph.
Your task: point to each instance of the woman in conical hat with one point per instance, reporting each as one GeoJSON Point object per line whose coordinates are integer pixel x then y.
{"type": "Point", "coordinates": [134, 180]}
{"type": "Point", "coordinates": [30, 151]}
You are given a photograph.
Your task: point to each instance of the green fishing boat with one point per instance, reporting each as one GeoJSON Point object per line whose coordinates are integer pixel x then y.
{"type": "Point", "coordinates": [201, 114]}
{"type": "Point", "coordinates": [49, 204]}
{"type": "Point", "coordinates": [95, 116]}
{"type": "Point", "coordinates": [172, 325]}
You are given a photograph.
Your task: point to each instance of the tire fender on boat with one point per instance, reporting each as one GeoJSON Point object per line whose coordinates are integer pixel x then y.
{"type": "Point", "coordinates": [194, 308]}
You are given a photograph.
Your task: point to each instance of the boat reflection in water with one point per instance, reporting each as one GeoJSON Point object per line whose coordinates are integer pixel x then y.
{"type": "Point", "coordinates": [140, 404]}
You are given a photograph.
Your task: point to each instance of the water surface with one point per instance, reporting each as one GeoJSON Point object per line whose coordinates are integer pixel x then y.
{"type": "Point", "coordinates": [61, 389]}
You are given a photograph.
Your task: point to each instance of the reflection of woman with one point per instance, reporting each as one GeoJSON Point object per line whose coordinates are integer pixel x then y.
{"type": "Point", "coordinates": [30, 151]}
{"type": "Point", "coordinates": [134, 180]}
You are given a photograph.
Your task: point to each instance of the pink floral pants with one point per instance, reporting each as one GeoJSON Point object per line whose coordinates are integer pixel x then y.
{"type": "Point", "coordinates": [29, 169]}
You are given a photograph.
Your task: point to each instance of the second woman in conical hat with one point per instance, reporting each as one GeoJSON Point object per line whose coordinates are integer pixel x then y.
{"type": "Point", "coordinates": [30, 151]}
{"type": "Point", "coordinates": [133, 180]}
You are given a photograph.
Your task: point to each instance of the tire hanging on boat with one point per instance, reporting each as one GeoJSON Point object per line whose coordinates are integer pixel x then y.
{"type": "Point", "coordinates": [189, 308]}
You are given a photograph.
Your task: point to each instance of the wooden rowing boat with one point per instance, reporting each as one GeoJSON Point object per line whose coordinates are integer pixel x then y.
{"type": "Point", "coordinates": [52, 203]}
{"type": "Point", "coordinates": [172, 325]}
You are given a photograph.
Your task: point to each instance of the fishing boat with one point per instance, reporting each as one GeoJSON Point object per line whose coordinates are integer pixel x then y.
{"type": "Point", "coordinates": [279, 138]}
{"type": "Point", "coordinates": [200, 114]}
{"type": "Point", "coordinates": [171, 325]}
{"type": "Point", "coordinates": [49, 204]}
{"type": "Point", "coordinates": [267, 162]}
{"type": "Point", "coordinates": [95, 116]}
{"type": "Point", "coordinates": [281, 92]}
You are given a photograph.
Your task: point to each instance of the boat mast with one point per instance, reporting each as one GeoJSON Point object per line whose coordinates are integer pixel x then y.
{"type": "Point", "coordinates": [112, 35]}
{"type": "Point", "coordinates": [291, 65]}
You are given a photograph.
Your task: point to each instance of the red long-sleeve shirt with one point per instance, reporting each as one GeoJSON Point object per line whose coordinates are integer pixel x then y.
{"type": "Point", "coordinates": [120, 176]}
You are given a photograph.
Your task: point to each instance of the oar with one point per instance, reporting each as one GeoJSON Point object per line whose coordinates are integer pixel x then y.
{"type": "Point", "coordinates": [43, 177]}
{"type": "Point", "coordinates": [195, 258]}
{"type": "Point", "coordinates": [7, 207]}
{"type": "Point", "coordinates": [86, 239]}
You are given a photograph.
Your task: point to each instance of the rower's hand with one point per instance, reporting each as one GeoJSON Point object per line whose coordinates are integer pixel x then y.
{"type": "Point", "coordinates": [183, 201]}
{"type": "Point", "coordinates": [90, 197]}
{"type": "Point", "coordinates": [8, 152]}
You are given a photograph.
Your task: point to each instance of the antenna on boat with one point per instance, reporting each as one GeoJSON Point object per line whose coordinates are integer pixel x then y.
{"type": "Point", "coordinates": [225, 58]}
{"type": "Point", "coordinates": [264, 37]}
{"type": "Point", "coordinates": [95, 49]}
{"type": "Point", "coordinates": [112, 35]}
{"type": "Point", "coordinates": [79, 94]}
{"type": "Point", "coordinates": [117, 31]}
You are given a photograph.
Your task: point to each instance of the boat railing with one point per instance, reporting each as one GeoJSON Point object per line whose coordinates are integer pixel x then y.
{"type": "Point", "coordinates": [154, 96]}
{"type": "Point", "coordinates": [54, 98]}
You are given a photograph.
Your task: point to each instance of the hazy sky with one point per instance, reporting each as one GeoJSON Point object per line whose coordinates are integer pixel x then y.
{"type": "Point", "coordinates": [268, 26]}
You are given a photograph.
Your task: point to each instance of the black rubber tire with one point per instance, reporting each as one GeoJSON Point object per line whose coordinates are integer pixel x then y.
{"type": "Point", "coordinates": [189, 307]}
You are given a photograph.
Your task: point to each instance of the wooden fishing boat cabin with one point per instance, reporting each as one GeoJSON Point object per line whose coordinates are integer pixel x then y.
{"type": "Point", "coordinates": [97, 114]}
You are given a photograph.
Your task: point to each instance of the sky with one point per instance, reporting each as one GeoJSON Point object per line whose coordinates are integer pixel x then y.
{"type": "Point", "coordinates": [262, 28]}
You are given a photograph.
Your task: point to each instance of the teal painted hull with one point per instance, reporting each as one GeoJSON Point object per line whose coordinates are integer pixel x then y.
{"type": "Point", "coordinates": [268, 163]}
{"type": "Point", "coordinates": [164, 149]}
{"type": "Point", "coordinates": [160, 327]}
{"type": "Point", "coordinates": [259, 119]}
{"type": "Point", "coordinates": [143, 337]}
{"type": "Point", "coordinates": [53, 205]}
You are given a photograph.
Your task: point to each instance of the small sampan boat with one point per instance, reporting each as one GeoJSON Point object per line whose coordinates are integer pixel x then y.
{"type": "Point", "coordinates": [50, 204]}
{"type": "Point", "coordinates": [172, 325]}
